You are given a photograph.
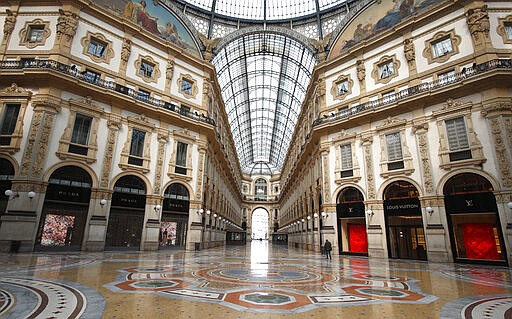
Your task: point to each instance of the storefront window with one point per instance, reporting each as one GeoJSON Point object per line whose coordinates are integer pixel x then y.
{"type": "Point", "coordinates": [475, 230]}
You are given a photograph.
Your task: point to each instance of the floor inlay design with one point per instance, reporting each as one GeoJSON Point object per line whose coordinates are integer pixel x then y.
{"type": "Point", "coordinates": [274, 286]}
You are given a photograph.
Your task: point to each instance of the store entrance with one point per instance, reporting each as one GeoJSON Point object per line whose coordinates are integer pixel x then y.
{"type": "Point", "coordinates": [125, 229]}
{"type": "Point", "coordinates": [126, 218]}
{"type": "Point", "coordinates": [65, 208]}
{"type": "Point", "coordinates": [407, 238]}
{"type": "Point", "coordinates": [352, 236]}
{"type": "Point", "coordinates": [404, 222]}
{"type": "Point", "coordinates": [174, 222]}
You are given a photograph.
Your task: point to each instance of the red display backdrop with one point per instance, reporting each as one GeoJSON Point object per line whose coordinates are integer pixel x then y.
{"type": "Point", "coordinates": [479, 241]}
{"type": "Point", "coordinates": [358, 240]}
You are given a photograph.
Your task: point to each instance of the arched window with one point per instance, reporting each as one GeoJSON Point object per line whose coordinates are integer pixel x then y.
{"type": "Point", "coordinates": [71, 176]}
{"type": "Point", "coordinates": [130, 185]}
{"type": "Point", "coordinates": [350, 195]}
{"type": "Point", "coordinates": [400, 190]}
{"type": "Point", "coordinates": [176, 198]}
{"type": "Point", "coordinates": [467, 183]}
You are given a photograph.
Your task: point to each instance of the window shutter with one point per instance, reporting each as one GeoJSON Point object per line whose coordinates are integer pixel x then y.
{"type": "Point", "coordinates": [456, 133]}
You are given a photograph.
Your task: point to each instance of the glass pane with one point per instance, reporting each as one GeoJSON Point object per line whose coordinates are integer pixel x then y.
{"type": "Point", "coordinates": [9, 119]}
{"type": "Point", "coordinates": [394, 147]}
{"type": "Point", "coordinates": [181, 154]}
{"type": "Point", "coordinates": [456, 132]}
{"type": "Point", "coordinates": [81, 129]}
{"type": "Point", "coordinates": [137, 144]}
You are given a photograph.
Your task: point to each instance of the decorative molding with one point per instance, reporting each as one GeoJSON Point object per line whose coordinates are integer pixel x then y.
{"type": "Point", "coordinates": [9, 23]}
{"type": "Point", "coordinates": [410, 54]}
{"type": "Point", "coordinates": [67, 23]}
{"type": "Point", "coordinates": [477, 20]}
{"type": "Point", "coordinates": [455, 40]}
{"type": "Point", "coordinates": [163, 139]}
{"type": "Point", "coordinates": [25, 33]}
{"type": "Point", "coordinates": [500, 147]}
{"type": "Point", "coordinates": [391, 124]}
{"type": "Point", "coordinates": [421, 129]}
{"type": "Point", "coordinates": [126, 51]}
{"type": "Point", "coordinates": [113, 125]}
{"type": "Point", "coordinates": [109, 52]}
{"type": "Point", "coordinates": [382, 61]}
{"type": "Point", "coordinates": [155, 75]}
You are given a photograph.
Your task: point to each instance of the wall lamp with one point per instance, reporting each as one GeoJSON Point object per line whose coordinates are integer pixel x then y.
{"type": "Point", "coordinates": [309, 217]}
{"type": "Point", "coordinates": [509, 204]}
{"type": "Point", "coordinates": [200, 211]}
{"type": "Point", "coordinates": [429, 210]}
{"type": "Point", "coordinates": [215, 215]}
{"type": "Point", "coordinates": [324, 214]}
{"type": "Point", "coordinates": [103, 202]}
{"type": "Point", "coordinates": [208, 212]}
{"type": "Point", "coordinates": [157, 208]}
{"type": "Point", "coordinates": [315, 215]}
{"type": "Point", "coordinates": [31, 194]}
{"type": "Point", "coordinates": [11, 194]}
{"type": "Point", "coordinates": [302, 220]}
{"type": "Point", "coordinates": [370, 213]}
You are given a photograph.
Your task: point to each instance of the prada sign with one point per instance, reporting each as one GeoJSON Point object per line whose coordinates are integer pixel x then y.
{"type": "Point", "coordinates": [350, 210]}
{"type": "Point", "coordinates": [176, 205]}
{"type": "Point", "coordinates": [470, 203]}
{"type": "Point", "coordinates": [128, 200]}
{"type": "Point", "coordinates": [68, 194]}
{"type": "Point", "coordinates": [397, 207]}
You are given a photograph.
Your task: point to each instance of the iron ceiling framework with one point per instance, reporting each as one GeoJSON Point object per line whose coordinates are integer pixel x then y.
{"type": "Point", "coordinates": [263, 78]}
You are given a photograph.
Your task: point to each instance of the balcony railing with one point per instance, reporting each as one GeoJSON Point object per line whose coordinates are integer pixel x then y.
{"type": "Point", "coordinates": [108, 85]}
{"type": "Point", "coordinates": [465, 73]}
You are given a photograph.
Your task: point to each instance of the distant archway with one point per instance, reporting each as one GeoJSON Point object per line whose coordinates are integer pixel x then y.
{"type": "Point", "coordinates": [259, 224]}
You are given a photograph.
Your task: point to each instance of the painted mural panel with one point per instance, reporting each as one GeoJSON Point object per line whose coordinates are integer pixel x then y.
{"type": "Point", "coordinates": [154, 18]}
{"type": "Point", "coordinates": [372, 21]}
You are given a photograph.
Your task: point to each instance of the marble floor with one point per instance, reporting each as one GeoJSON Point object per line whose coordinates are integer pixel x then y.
{"type": "Point", "coordinates": [245, 282]}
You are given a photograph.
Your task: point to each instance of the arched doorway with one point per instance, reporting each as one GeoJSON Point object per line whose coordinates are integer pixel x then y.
{"type": "Point", "coordinates": [126, 219]}
{"type": "Point", "coordinates": [65, 209]}
{"type": "Point", "coordinates": [174, 223]}
{"type": "Point", "coordinates": [404, 222]}
{"type": "Point", "coordinates": [6, 175]}
{"type": "Point", "coordinates": [475, 228]}
{"type": "Point", "coordinates": [259, 224]}
{"type": "Point", "coordinates": [352, 236]}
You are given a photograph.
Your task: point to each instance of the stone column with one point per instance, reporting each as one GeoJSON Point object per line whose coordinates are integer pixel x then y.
{"type": "Point", "coordinates": [97, 230]}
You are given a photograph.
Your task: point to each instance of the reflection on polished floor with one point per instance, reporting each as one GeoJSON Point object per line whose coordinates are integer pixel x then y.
{"type": "Point", "coordinates": [254, 281]}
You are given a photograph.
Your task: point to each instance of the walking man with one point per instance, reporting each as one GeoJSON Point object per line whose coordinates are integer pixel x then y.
{"type": "Point", "coordinates": [328, 248]}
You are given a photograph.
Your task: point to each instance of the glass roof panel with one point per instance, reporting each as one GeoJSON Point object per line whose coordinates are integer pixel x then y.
{"type": "Point", "coordinates": [255, 9]}
{"type": "Point", "coordinates": [263, 78]}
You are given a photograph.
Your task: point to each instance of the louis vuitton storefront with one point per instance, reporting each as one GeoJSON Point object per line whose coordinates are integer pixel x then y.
{"type": "Point", "coordinates": [475, 230]}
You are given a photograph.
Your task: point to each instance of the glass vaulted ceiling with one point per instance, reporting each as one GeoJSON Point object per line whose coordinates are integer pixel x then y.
{"type": "Point", "coordinates": [264, 9]}
{"type": "Point", "coordinates": [263, 79]}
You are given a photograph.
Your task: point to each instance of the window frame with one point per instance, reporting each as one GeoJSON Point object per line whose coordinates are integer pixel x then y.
{"type": "Point", "coordinates": [100, 38]}
{"type": "Point", "coordinates": [147, 60]}
{"type": "Point", "coordinates": [85, 107]}
{"type": "Point", "coordinates": [449, 159]}
{"type": "Point", "coordinates": [134, 162]}
{"type": "Point", "coordinates": [503, 23]}
{"type": "Point", "coordinates": [14, 94]}
{"type": "Point", "coordinates": [385, 60]}
{"type": "Point", "coordinates": [30, 25]}
{"type": "Point", "coordinates": [335, 87]}
{"type": "Point", "coordinates": [192, 91]}
{"type": "Point", "coordinates": [428, 52]}
{"type": "Point", "coordinates": [184, 137]}
{"type": "Point", "coordinates": [394, 166]}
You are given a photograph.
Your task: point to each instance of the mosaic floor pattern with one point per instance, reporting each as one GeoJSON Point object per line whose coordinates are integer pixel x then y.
{"type": "Point", "coordinates": [255, 281]}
